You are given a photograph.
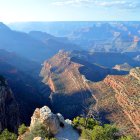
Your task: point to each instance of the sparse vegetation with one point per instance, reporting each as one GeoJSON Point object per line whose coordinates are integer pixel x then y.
{"type": "Point", "coordinates": [90, 129]}
{"type": "Point", "coordinates": [106, 132]}
{"type": "Point", "coordinates": [22, 129]}
{"type": "Point", "coordinates": [87, 123]}
{"type": "Point", "coordinates": [38, 130]}
{"type": "Point", "coordinates": [126, 138]}
{"type": "Point", "coordinates": [6, 135]}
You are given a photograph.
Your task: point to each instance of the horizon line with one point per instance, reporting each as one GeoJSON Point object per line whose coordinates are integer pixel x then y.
{"type": "Point", "coordinates": [71, 21]}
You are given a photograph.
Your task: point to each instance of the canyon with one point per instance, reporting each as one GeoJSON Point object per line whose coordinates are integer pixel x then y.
{"type": "Point", "coordinates": [114, 99]}
{"type": "Point", "coordinates": [81, 73]}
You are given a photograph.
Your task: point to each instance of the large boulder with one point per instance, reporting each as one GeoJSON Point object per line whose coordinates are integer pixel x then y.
{"type": "Point", "coordinates": [52, 122]}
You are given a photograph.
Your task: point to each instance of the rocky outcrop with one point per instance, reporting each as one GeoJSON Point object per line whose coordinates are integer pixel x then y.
{"type": "Point", "coordinates": [117, 101]}
{"type": "Point", "coordinates": [137, 58]}
{"type": "Point", "coordinates": [124, 67]}
{"type": "Point", "coordinates": [52, 122]}
{"type": "Point", "coordinates": [9, 112]}
{"type": "Point", "coordinates": [38, 138]}
{"type": "Point", "coordinates": [22, 76]}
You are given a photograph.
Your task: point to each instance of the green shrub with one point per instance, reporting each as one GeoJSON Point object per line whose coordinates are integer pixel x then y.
{"type": "Point", "coordinates": [106, 132]}
{"type": "Point", "coordinates": [91, 123]}
{"type": "Point", "coordinates": [50, 139]}
{"type": "Point", "coordinates": [126, 138]}
{"type": "Point", "coordinates": [87, 123]}
{"type": "Point", "coordinates": [6, 135]}
{"type": "Point", "coordinates": [38, 130]}
{"type": "Point", "coordinates": [90, 129]}
{"type": "Point", "coordinates": [75, 122]}
{"type": "Point", "coordinates": [22, 129]}
{"type": "Point", "coordinates": [86, 134]}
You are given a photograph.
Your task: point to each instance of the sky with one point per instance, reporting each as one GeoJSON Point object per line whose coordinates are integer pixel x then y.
{"type": "Point", "coordinates": [69, 10]}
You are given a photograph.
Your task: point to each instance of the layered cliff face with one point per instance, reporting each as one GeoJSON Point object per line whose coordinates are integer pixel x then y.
{"type": "Point", "coordinates": [69, 90]}
{"type": "Point", "coordinates": [67, 75]}
{"type": "Point", "coordinates": [62, 75]}
{"type": "Point", "coordinates": [114, 99]}
{"type": "Point", "coordinates": [9, 112]}
{"type": "Point", "coordinates": [118, 101]}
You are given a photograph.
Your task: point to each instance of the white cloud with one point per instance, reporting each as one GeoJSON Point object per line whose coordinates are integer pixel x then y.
{"type": "Point", "coordinates": [72, 2]}
{"type": "Point", "coordinates": [120, 4]}
{"type": "Point", "coordinates": [126, 4]}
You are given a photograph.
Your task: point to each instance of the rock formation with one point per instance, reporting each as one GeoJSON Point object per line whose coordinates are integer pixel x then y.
{"type": "Point", "coordinates": [69, 90]}
{"type": "Point", "coordinates": [118, 101]}
{"type": "Point", "coordinates": [38, 138]}
{"type": "Point", "coordinates": [124, 67]}
{"type": "Point", "coordinates": [114, 99]}
{"type": "Point", "coordinates": [9, 112]}
{"type": "Point", "coordinates": [51, 121]}
{"type": "Point", "coordinates": [67, 76]}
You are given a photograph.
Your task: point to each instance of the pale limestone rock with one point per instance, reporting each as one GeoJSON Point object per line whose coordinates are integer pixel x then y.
{"type": "Point", "coordinates": [61, 118]}
{"type": "Point", "coordinates": [48, 119]}
{"type": "Point", "coordinates": [38, 138]}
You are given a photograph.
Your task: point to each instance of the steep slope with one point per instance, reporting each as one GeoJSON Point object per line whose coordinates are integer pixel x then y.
{"type": "Point", "coordinates": [67, 85]}
{"type": "Point", "coordinates": [21, 63]}
{"type": "Point", "coordinates": [22, 76]}
{"type": "Point", "coordinates": [112, 98]}
{"type": "Point", "coordinates": [9, 111]}
{"type": "Point", "coordinates": [118, 101]}
{"type": "Point", "coordinates": [67, 77]}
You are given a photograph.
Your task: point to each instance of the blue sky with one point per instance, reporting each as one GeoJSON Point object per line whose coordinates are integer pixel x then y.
{"type": "Point", "coordinates": [69, 10]}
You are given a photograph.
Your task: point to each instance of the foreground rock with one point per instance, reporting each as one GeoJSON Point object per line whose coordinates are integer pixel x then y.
{"type": "Point", "coordinates": [53, 123]}
{"type": "Point", "coordinates": [38, 138]}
